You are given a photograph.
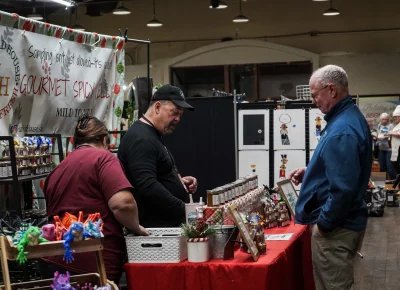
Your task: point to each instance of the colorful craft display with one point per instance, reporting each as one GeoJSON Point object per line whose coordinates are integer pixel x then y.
{"type": "Point", "coordinates": [49, 232]}
{"type": "Point", "coordinates": [20, 232]}
{"type": "Point", "coordinates": [32, 156]}
{"type": "Point", "coordinates": [93, 229]}
{"type": "Point", "coordinates": [283, 219]}
{"type": "Point", "coordinates": [30, 238]}
{"type": "Point", "coordinates": [275, 212]}
{"type": "Point", "coordinates": [249, 202]}
{"type": "Point", "coordinates": [70, 229]}
{"type": "Point", "coordinates": [73, 229]}
{"type": "Point", "coordinates": [74, 234]}
{"type": "Point", "coordinates": [61, 282]}
{"type": "Point", "coordinates": [261, 208]}
{"type": "Point", "coordinates": [89, 286]}
{"type": "Point", "coordinates": [91, 225]}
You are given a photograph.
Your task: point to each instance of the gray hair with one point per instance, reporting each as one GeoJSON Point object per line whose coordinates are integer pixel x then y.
{"type": "Point", "coordinates": [332, 74]}
{"type": "Point", "coordinates": [384, 116]}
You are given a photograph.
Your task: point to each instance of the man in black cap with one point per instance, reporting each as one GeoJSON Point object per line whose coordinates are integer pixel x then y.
{"type": "Point", "coordinates": [160, 191]}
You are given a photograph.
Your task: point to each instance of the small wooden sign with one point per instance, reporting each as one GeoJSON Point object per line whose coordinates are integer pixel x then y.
{"type": "Point", "coordinates": [244, 232]}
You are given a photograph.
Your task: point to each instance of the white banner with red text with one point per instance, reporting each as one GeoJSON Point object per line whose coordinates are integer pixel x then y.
{"type": "Point", "coordinates": [51, 75]}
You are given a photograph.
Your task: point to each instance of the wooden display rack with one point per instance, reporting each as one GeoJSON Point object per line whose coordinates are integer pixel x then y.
{"type": "Point", "coordinates": [9, 252]}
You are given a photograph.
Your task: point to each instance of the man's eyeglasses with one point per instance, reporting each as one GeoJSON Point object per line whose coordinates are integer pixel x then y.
{"type": "Point", "coordinates": [315, 95]}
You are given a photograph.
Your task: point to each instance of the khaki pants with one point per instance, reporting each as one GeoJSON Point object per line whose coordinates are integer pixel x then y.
{"type": "Point", "coordinates": [333, 257]}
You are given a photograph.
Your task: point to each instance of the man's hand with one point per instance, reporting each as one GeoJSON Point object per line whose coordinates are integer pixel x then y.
{"type": "Point", "coordinates": [296, 176]}
{"type": "Point", "coordinates": [190, 182]}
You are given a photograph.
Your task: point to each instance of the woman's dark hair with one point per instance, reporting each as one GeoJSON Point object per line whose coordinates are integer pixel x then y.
{"type": "Point", "coordinates": [89, 130]}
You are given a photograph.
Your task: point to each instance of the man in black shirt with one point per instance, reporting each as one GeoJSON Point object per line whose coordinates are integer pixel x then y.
{"type": "Point", "coordinates": [160, 192]}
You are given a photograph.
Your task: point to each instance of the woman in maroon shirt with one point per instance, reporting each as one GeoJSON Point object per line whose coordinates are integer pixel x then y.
{"type": "Point", "coordinates": [92, 180]}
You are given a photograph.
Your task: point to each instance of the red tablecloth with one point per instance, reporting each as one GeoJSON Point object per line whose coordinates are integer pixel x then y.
{"type": "Point", "coordinates": [287, 266]}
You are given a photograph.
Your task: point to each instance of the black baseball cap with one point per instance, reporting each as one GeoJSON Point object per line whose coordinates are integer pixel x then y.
{"type": "Point", "coordinates": [173, 94]}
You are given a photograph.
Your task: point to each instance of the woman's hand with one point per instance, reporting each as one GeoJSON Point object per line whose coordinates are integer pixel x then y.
{"type": "Point", "coordinates": [141, 231]}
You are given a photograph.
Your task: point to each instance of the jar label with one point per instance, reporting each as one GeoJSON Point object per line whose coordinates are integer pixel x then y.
{"type": "Point", "coordinates": [215, 199]}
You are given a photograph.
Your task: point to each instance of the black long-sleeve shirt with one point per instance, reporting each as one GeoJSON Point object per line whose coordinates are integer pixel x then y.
{"type": "Point", "coordinates": [151, 170]}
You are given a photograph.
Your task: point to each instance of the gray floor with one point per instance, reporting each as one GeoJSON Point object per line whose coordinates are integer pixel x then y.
{"type": "Point", "coordinates": [380, 267]}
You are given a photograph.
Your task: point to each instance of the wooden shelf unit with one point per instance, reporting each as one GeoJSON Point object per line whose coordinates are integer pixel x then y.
{"type": "Point", "coordinates": [9, 252]}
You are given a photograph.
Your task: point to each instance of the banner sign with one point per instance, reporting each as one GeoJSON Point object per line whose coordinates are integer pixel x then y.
{"type": "Point", "coordinates": [51, 75]}
{"type": "Point", "coordinates": [373, 108]}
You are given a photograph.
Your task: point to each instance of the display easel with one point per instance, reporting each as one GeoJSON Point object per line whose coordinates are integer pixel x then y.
{"type": "Point", "coordinates": [9, 252]}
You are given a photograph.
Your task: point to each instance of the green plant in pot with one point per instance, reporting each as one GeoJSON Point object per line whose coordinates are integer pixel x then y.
{"type": "Point", "coordinates": [197, 233]}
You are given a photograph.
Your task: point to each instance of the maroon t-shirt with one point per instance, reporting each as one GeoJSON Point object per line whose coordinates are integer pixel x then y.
{"type": "Point", "coordinates": [85, 181]}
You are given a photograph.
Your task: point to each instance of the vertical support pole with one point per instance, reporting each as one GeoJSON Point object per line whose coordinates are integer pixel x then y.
{"type": "Point", "coordinates": [236, 133]}
{"type": "Point", "coordinates": [148, 72]}
{"type": "Point", "coordinates": [60, 148]}
{"type": "Point", "coordinates": [101, 268]}
{"type": "Point", "coordinates": [4, 264]}
{"type": "Point", "coordinates": [16, 198]}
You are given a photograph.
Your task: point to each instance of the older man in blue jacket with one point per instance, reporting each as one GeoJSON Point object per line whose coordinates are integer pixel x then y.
{"type": "Point", "coordinates": [331, 198]}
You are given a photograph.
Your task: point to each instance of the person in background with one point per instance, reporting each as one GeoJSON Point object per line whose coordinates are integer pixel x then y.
{"type": "Point", "coordinates": [91, 179]}
{"type": "Point", "coordinates": [385, 152]}
{"type": "Point", "coordinates": [395, 137]}
{"type": "Point", "coordinates": [160, 191]}
{"type": "Point", "coordinates": [331, 198]}
{"type": "Point", "coordinates": [375, 145]}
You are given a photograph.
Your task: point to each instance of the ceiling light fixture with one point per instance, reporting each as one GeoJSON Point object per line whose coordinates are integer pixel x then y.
{"type": "Point", "coordinates": [64, 2]}
{"type": "Point", "coordinates": [331, 11]}
{"type": "Point", "coordinates": [154, 22]}
{"type": "Point", "coordinates": [240, 18]}
{"type": "Point", "coordinates": [34, 15]}
{"type": "Point", "coordinates": [320, 0]}
{"type": "Point", "coordinates": [218, 5]}
{"type": "Point", "coordinates": [121, 10]}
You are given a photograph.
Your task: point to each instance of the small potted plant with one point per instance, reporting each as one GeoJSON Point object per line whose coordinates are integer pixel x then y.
{"type": "Point", "coordinates": [197, 233]}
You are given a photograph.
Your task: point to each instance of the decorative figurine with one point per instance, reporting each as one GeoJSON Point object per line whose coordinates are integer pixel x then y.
{"type": "Point", "coordinates": [61, 282]}
{"type": "Point", "coordinates": [93, 229]}
{"type": "Point", "coordinates": [48, 232]}
{"type": "Point", "coordinates": [107, 287]}
{"type": "Point", "coordinates": [282, 171]}
{"type": "Point", "coordinates": [30, 238]}
{"type": "Point", "coordinates": [74, 234]}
